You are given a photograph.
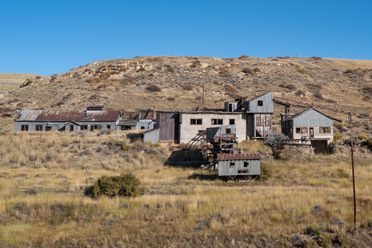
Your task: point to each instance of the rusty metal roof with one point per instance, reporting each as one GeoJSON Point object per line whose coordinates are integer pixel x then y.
{"type": "Point", "coordinates": [65, 116]}
{"type": "Point", "coordinates": [237, 156]}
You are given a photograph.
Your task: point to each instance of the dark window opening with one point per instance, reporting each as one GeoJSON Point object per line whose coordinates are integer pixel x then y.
{"type": "Point", "coordinates": [246, 164]}
{"type": "Point", "coordinates": [62, 129]}
{"type": "Point", "coordinates": [39, 127]}
{"type": "Point", "coordinates": [24, 128]}
{"type": "Point", "coordinates": [232, 164]}
{"type": "Point", "coordinates": [260, 103]}
{"type": "Point", "coordinates": [232, 121]}
{"type": "Point", "coordinates": [228, 130]}
{"type": "Point", "coordinates": [48, 128]}
{"type": "Point", "coordinates": [84, 127]}
{"type": "Point", "coordinates": [142, 128]}
{"type": "Point", "coordinates": [217, 121]}
{"type": "Point", "coordinates": [196, 121]}
{"type": "Point", "coordinates": [71, 128]}
{"type": "Point", "coordinates": [108, 126]}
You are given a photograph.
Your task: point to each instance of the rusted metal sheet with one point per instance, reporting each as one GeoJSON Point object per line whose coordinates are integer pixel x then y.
{"type": "Point", "coordinates": [166, 122]}
{"type": "Point", "coordinates": [68, 116]}
{"type": "Point", "coordinates": [237, 156]}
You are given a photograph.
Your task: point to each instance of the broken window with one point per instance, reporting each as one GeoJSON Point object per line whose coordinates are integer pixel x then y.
{"type": "Point", "coordinates": [196, 121]}
{"type": "Point", "coordinates": [246, 164]}
{"type": "Point", "coordinates": [325, 130]}
{"type": "Point", "coordinates": [260, 103]}
{"type": "Point", "coordinates": [39, 127]}
{"type": "Point", "coordinates": [232, 121]}
{"type": "Point", "coordinates": [24, 128]}
{"type": "Point", "coordinates": [217, 121]}
{"type": "Point", "coordinates": [302, 130]}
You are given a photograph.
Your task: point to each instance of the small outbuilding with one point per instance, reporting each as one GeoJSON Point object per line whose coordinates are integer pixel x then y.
{"type": "Point", "coordinates": [230, 165]}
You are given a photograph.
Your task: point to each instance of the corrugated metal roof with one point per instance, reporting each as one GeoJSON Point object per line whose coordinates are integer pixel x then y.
{"type": "Point", "coordinates": [237, 156]}
{"type": "Point", "coordinates": [293, 116]}
{"type": "Point", "coordinates": [65, 116]}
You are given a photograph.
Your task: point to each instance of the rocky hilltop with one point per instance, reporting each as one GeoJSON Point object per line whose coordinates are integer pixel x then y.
{"type": "Point", "coordinates": [335, 86]}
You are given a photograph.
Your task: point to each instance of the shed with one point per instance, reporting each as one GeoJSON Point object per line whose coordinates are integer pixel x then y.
{"type": "Point", "coordinates": [234, 165]}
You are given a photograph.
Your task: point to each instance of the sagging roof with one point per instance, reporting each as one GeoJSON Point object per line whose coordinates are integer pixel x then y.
{"type": "Point", "coordinates": [237, 156]}
{"type": "Point", "coordinates": [127, 123]}
{"type": "Point", "coordinates": [66, 116]}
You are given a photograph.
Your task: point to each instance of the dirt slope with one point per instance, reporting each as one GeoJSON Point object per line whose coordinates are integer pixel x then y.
{"type": "Point", "coordinates": [335, 86]}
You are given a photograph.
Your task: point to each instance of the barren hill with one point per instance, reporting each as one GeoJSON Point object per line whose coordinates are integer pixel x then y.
{"type": "Point", "coordinates": [335, 86]}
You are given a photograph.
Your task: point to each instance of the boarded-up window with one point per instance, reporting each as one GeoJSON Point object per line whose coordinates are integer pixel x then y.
{"type": "Point", "coordinates": [196, 121]}
{"type": "Point", "coordinates": [39, 127]}
{"type": "Point", "coordinates": [325, 130]}
{"type": "Point", "coordinates": [24, 128]}
{"type": "Point", "coordinates": [301, 130]}
{"type": "Point", "coordinates": [217, 122]}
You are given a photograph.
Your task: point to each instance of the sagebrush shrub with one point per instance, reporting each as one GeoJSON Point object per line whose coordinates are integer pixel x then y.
{"type": "Point", "coordinates": [126, 185]}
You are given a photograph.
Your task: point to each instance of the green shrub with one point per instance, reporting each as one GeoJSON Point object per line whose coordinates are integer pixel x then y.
{"type": "Point", "coordinates": [153, 88]}
{"type": "Point", "coordinates": [337, 137]}
{"type": "Point", "coordinates": [312, 231]}
{"type": "Point", "coordinates": [338, 239]}
{"type": "Point", "coordinates": [126, 185]}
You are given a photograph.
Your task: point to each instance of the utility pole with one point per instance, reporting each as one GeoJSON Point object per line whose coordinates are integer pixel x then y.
{"type": "Point", "coordinates": [353, 175]}
{"type": "Point", "coordinates": [203, 95]}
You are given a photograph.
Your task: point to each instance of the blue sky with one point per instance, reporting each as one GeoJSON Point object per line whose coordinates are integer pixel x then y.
{"type": "Point", "coordinates": [52, 36]}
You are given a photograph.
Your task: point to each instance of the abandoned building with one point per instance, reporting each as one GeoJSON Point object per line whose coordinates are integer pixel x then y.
{"type": "Point", "coordinates": [309, 126]}
{"type": "Point", "coordinates": [251, 118]}
{"type": "Point", "coordinates": [232, 165]}
{"type": "Point", "coordinates": [93, 118]}
{"type": "Point", "coordinates": [139, 120]}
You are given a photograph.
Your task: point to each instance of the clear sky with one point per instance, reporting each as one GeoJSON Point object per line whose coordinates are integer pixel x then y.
{"type": "Point", "coordinates": [52, 36]}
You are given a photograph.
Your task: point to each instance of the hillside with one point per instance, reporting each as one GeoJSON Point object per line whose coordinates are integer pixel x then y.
{"type": "Point", "coordinates": [335, 86]}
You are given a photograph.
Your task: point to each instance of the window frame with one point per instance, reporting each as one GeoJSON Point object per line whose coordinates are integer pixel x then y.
{"type": "Point", "coordinates": [321, 130]}
{"type": "Point", "coordinates": [196, 121]}
{"type": "Point", "coordinates": [216, 121]}
{"type": "Point", "coordinates": [24, 127]}
{"type": "Point", "coordinates": [38, 127]}
{"type": "Point", "coordinates": [301, 130]}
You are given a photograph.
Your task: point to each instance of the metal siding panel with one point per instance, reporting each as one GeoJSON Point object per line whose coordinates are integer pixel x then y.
{"type": "Point", "coordinates": [312, 118]}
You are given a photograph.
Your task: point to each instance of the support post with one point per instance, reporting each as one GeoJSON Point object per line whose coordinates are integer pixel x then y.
{"type": "Point", "coordinates": [353, 175]}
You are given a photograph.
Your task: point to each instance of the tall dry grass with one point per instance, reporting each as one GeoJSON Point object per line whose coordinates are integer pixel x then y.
{"type": "Point", "coordinates": [42, 202]}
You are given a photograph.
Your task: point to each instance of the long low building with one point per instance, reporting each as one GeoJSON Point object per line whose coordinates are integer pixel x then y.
{"type": "Point", "coordinates": [94, 118]}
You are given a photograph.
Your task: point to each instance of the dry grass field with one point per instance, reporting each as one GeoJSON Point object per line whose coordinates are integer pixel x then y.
{"type": "Point", "coordinates": [42, 202]}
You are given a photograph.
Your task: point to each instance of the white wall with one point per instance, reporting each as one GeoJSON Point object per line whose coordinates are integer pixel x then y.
{"type": "Point", "coordinates": [317, 134]}
{"type": "Point", "coordinates": [187, 131]}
